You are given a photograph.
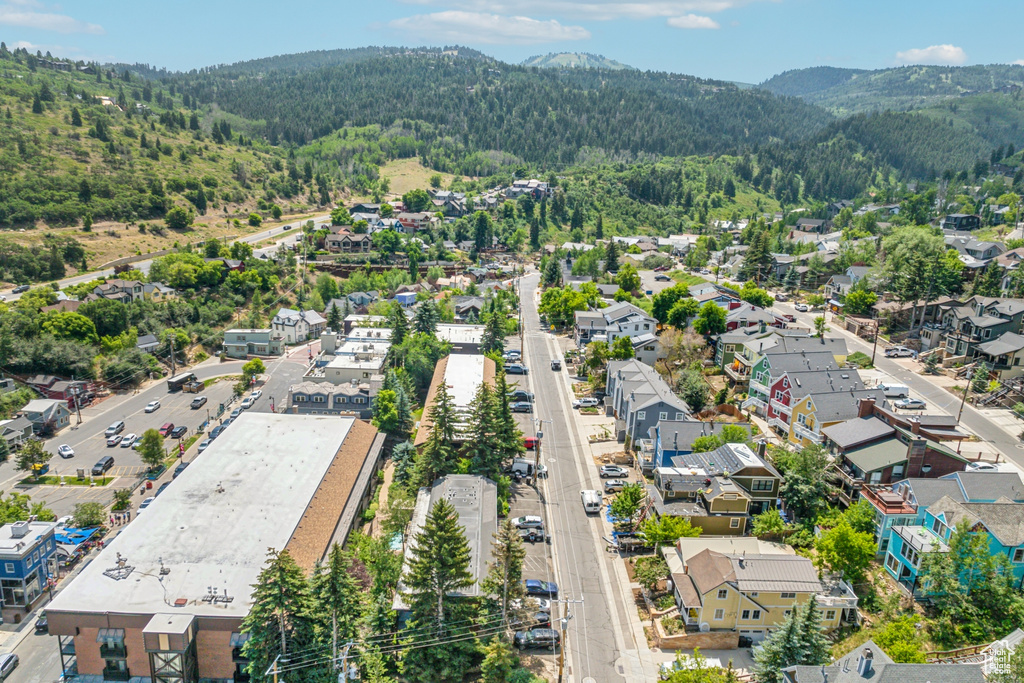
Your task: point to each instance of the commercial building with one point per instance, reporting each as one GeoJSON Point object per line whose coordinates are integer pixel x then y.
{"type": "Point", "coordinates": [242, 343]}
{"type": "Point", "coordinates": [26, 561]}
{"type": "Point", "coordinates": [463, 376]}
{"type": "Point", "coordinates": [465, 339]}
{"type": "Point", "coordinates": [166, 598]}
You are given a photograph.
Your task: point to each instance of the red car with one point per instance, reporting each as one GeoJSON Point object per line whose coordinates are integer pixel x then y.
{"type": "Point", "coordinates": [166, 429]}
{"type": "Point", "coordinates": [530, 442]}
{"type": "Point", "coordinates": [660, 269]}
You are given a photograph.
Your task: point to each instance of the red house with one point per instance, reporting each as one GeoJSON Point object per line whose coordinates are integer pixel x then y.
{"type": "Point", "coordinates": [790, 387]}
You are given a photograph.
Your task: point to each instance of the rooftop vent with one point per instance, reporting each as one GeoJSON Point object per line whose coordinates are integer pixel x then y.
{"type": "Point", "coordinates": [20, 529]}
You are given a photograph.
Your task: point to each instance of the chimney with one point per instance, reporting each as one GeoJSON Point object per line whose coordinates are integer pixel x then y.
{"type": "Point", "coordinates": [762, 448]}
{"type": "Point", "coordinates": [864, 663]}
{"type": "Point", "coordinates": [915, 425]}
{"type": "Point", "coordinates": [866, 407]}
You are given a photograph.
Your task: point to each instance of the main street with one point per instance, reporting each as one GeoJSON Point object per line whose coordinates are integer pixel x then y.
{"type": "Point", "coordinates": [972, 419]}
{"type": "Point", "coordinates": [599, 643]}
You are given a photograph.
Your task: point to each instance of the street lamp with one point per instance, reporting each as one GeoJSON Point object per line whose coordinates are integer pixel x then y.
{"type": "Point", "coordinates": [539, 434]}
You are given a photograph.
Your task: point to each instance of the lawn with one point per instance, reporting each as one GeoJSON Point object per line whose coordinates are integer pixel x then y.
{"type": "Point", "coordinates": [683, 278]}
{"type": "Point", "coordinates": [52, 480]}
{"type": "Point", "coordinates": [410, 174]}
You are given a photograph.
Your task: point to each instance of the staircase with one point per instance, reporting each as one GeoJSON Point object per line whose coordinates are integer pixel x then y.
{"type": "Point", "coordinates": [1013, 386]}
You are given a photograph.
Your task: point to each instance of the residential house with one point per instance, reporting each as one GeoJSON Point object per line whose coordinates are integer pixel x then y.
{"type": "Point", "coordinates": [670, 438]}
{"type": "Point", "coordinates": [814, 412]}
{"type": "Point", "coordinates": [972, 249]}
{"type": "Point", "coordinates": [347, 243]}
{"type": "Point", "coordinates": [961, 221]}
{"type": "Point", "coordinates": [749, 315]}
{"type": "Point", "coordinates": [813, 225]}
{"type": "Point", "coordinates": [125, 291]}
{"type": "Point", "coordinates": [1001, 522]}
{"type": "Point", "coordinates": [64, 306]}
{"type": "Point", "coordinates": [868, 452]}
{"type": "Point", "coordinates": [728, 344]}
{"type": "Point", "coordinates": [26, 562]}
{"type": "Point", "coordinates": [1003, 356]}
{"type": "Point", "coordinates": [360, 299]}
{"type": "Point", "coordinates": [244, 343]}
{"type": "Point", "coordinates": [721, 295]}
{"type": "Point", "coordinates": [638, 398]}
{"type": "Point", "coordinates": [15, 431]}
{"type": "Point", "coordinates": [365, 207]}
{"type": "Point", "coordinates": [711, 478]}
{"type": "Point", "coordinates": [965, 326]}
{"type": "Point", "coordinates": [619, 320]}
{"type": "Point", "coordinates": [297, 326]}
{"type": "Point", "coordinates": [538, 189]}
{"type": "Point", "coordinates": [405, 299]}
{"type": "Point", "coordinates": [869, 664]}
{"type": "Point", "coordinates": [751, 594]}
{"type": "Point", "coordinates": [789, 387]}
{"type": "Point", "coordinates": [905, 502]}
{"type": "Point", "coordinates": [229, 264]}
{"type": "Point", "coordinates": [763, 362]}
{"type": "Point", "coordinates": [467, 307]}
{"type": "Point", "coordinates": [147, 343]}
{"type": "Point", "coordinates": [835, 208]}
{"type": "Point", "coordinates": [413, 222]}
{"type": "Point", "coordinates": [158, 291]}
{"type": "Point", "coordinates": [47, 415]}
{"type": "Point", "coordinates": [322, 398]}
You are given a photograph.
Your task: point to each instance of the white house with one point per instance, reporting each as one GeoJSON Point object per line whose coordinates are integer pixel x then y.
{"type": "Point", "coordinates": [298, 326]}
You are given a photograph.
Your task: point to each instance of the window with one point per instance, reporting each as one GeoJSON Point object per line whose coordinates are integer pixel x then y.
{"type": "Point", "coordinates": [939, 528]}
{"type": "Point", "coordinates": [892, 563]}
{"type": "Point", "coordinates": [909, 554]}
{"type": "Point", "coordinates": [719, 614]}
{"type": "Point", "coordinates": [830, 615]}
{"type": "Point", "coordinates": [779, 395]}
{"type": "Point", "coordinates": [787, 596]}
{"type": "Point", "coordinates": [662, 416]}
{"type": "Point", "coordinates": [723, 594]}
{"type": "Point", "coordinates": [746, 615]}
{"type": "Point", "coordinates": [1018, 555]}
{"type": "Point", "coordinates": [679, 416]}
{"type": "Point", "coordinates": [642, 415]}
{"type": "Point", "coordinates": [754, 594]}
{"type": "Point", "coordinates": [734, 523]}
{"type": "Point", "coordinates": [897, 470]}
{"type": "Point", "coordinates": [359, 399]}
{"type": "Point", "coordinates": [299, 398]}
{"type": "Point", "coordinates": [756, 615]}
{"type": "Point", "coordinates": [876, 477]}
{"type": "Point", "coordinates": [318, 399]}
{"type": "Point", "coordinates": [787, 613]}
{"type": "Point", "coordinates": [762, 485]}
{"type": "Point", "coordinates": [9, 567]}
{"type": "Point", "coordinates": [341, 399]}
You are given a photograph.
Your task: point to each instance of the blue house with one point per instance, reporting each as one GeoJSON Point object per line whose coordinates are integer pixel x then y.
{"type": "Point", "coordinates": [1002, 523]}
{"type": "Point", "coordinates": [907, 500]}
{"type": "Point", "coordinates": [670, 438]}
{"type": "Point", "coordinates": [406, 298]}
{"type": "Point", "coordinates": [26, 557]}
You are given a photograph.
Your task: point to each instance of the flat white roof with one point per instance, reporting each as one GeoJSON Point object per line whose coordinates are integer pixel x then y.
{"type": "Point", "coordinates": [461, 334]}
{"type": "Point", "coordinates": [464, 375]}
{"type": "Point", "coordinates": [211, 528]}
{"type": "Point", "coordinates": [9, 544]}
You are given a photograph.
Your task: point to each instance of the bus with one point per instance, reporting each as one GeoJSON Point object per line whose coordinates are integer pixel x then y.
{"type": "Point", "coordinates": [178, 381]}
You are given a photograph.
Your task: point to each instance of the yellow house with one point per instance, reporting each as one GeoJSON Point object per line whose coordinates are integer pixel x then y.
{"type": "Point", "coordinates": [813, 412]}
{"type": "Point", "coordinates": [753, 593]}
{"type": "Point", "coordinates": [158, 291]}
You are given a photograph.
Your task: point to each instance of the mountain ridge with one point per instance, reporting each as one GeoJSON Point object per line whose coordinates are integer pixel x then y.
{"type": "Point", "coordinates": [575, 60]}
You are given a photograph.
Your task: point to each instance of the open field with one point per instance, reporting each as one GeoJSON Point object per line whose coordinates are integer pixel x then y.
{"type": "Point", "coordinates": [409, 174]}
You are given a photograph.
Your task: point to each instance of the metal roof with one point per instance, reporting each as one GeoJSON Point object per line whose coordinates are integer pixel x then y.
{"type": "Point", "coordinates": [879, 455]}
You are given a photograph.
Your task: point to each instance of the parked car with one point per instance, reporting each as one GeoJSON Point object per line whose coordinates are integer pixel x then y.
{"type": "Point", "coordinates": [247, 403]}
{"type": "Point", "coordinates": [128, 440]}
{"type": "Point", "coordinates": [532, 535]}
{"type": "Point", "coordinates": [521, 407]}
{"type": "Point", "coordinates": [166, 428]}
{"type": "Point", "coordinates": [179, 469]}
{"type": "Point", "coordinates": [512, 355]}
{"type": "Point", "coordinates": [197, 402]}
{"type": "Point", "coordinates": [528, 522]}
{"type": "Point", "coordinates": [613, 472]}
{"type": "Point", "coordinates": [236, 412]}
{"type": "Point", "coordinates": [65, 451]}
{"type": "Point", "coordinates": [179, 432]}
{"type": "Point", "coordinates": [115, 428]}
{"type": "Point", "coordinates": [9, 662]}
{"type": "Point", "coordinates": [162, 487]}
{"type": "Point", "coordinates": [614, 485]}
{"type": "Point", "coordinates": [586, 403]}
{"type": "Point", "coordinates": [204, 445]}
{"type": "Point", "coordinates": [102, 465]}
{"type": "Point", "coordinates": [216, 431]}
{"type": "Point", "coordinates": [42, 625]}
{"type": "Point", "coordinates": [548, 589]}
{"type": "Point", "coordinates": [541, 604]}
{"type": "Point", "coordinates": [20, 289]}
{"type": "Point", "coordinates": [661, 277]}
{"type": "Point", "coordinates": [522, 395]}
{"type": "Point", "coordinates": [899, 352]}
{"type": "Point", "coordinates": [255, 396]}
{"type": "Point", "coordinates": [516, 369]}
{"type": "Point", "coordinates": [539, 619]}
{"type": "Point", "coordinates": [983, 467]}
{"type": "Point", "coordinates": [152, 406]}
{"type": "Point", "coordinates": [530, 442]}
{"type": "Point", "coordinates": [114, 440]}
{"type": "Point", "coordinates": [556, 365]}
{"type": "Point", "coordinates": [537, 638]}
{"type": "Point", "coordinates": [910, 404]}
{"type": "Point", "coordinates": [803, 308]}
{"type": "Point", "coordinates": [146, 503]}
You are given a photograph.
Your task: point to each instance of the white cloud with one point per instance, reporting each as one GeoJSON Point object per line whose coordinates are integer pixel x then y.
{"type": "Point", "coordinates": [1018, 62]}
{"type": "Point", "coordinates": [493, 29]}
{"type": "Point", "coordinates": [16, 13]}
{"type": "Point", "coordinates": [599, 10]}
{"type": "Point", "coordinates": [692, 21]}
{"type": "Point", "coordinates": [933, 54]}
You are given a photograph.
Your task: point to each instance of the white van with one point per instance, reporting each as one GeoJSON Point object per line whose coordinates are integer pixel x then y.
{"type": "Point", "coordinates": [591, 500]}
{"type": "Point", "coordinates": [895, 390]}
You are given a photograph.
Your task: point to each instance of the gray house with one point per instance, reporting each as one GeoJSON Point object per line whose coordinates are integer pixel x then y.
{"type": "Point", "coordinates": [47, 415]}
{"type": "Point", "coordinates": [639, 398]}
{"type": "Point", "coordinates": [16, 431]}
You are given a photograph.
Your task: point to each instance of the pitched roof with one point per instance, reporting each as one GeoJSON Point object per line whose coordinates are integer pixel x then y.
{"type": "Point", "coordinates": [989, 485]}
{"type": "Point", "coordinates": [857, 431]}
{"type": "Point", "coordinates": [1004, 520]}
{"type": "Point", "coordinates": [730, 457]}
{"type": "Point", "coordinates": [782, 361]}
{"type": "Point", "coordinates": [1007, 342]}
{"type": "Point", "coordinates": [844, 405]}
{"type": "Point", "coordinates": [877, 456]}
{"type": "Point", "coordinates": [775, 573]}
{"type": "Point", "coordinates": [844, 670]}
{"type": "Point", "coordinates": [709, 570]}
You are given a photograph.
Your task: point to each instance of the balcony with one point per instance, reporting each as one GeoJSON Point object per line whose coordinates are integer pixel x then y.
{"type": "Point", "coordinates": [113, 651]}
{"type": "Point", "coordinates": [116, 674]}
{"type": "Point", "coordinates": [757, 404]}
{"type": "Point", "coordinates": [778, 425]}
{"type": "Point", "coordinates": [757, 386]}
{"type": "Point", "coordinates": [779, 406]}
{"type": "Point", "coordinates": [736, 375]}
{"type": "Point", "coordinates": [804, 432]}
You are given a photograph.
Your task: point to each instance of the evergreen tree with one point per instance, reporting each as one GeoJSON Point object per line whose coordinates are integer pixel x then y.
{"type": "Point", "coordinates": [729, 190]}
{"type": "Point", "coordinates": [5, 450]}
{"type": "Point", "coordinates": [338, 599]}
{"type": "Point", "coordinates": [334, 321]}
{"type": "Point", "coordinates": [508, 437]}
{"type": "Point", "coordinates": [398, 323]}
{"type": "Point", "coordinates": [599, 227]}
{"type": "Point", "coordinates": [814, 643]}
{"type": "Point", "coordinates": [931, 363]}
{"type": "Point", "coordinates": [792, 280]}
{"type": "Point", "coordinates": [989, 281]}
{"type": "Point", "coordinates": [611, 256]}
{"type": "Point", "coordinates": [280, 619]}
{"type": "Point", "coordinates": [76, 117]}
{"type": "Point", "coordinates": [193, 121]}
{"type": "Point", "coordinates": [552, 272]}
{"type": "Point", "coordinates": [576, 220]}
{"type": "Point", "coordinates": [504, 581]}
{"type": "Point", "coordinates": [438, 456]}
{"type": "Point", "coordinates": [499, 661]}
{"type": "Point", "coordinates": [438, 566]}
{"type": "Point", "coordinates": [404, 457]}
{"type": "Point", "coordinates": [481, 447]}
{"type": "Point", "coordinates": [534, 233]}
{"type": "Point", "coordinates": [427, 317]}
{"type": "Point", "coordinates": [543, 210]}
{"type": "Point", "coordinates": [494, 333]}
{"type": "Point", "coordinates": [779, 650]}
{"type": "Point", "coordinates": [483, 230]}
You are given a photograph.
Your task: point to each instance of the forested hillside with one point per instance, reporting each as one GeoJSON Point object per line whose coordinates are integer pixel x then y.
{"type": "Point", "coordinates": [457, 107]}
{"type": "Point", "coordinates": [575, 60]}
{"type": "Point", "coordinates": [809, 82]}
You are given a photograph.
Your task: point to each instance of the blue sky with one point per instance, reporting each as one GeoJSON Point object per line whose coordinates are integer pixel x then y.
{"type": "Point", "coordinates": [742, 40]}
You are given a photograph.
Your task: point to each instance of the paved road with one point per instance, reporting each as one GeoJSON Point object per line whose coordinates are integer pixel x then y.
{"type": "Point", "coordinates": [973, 420]}
{"type": "Point", "coordinates": [284, 237]}
{"type": "Point", "coordinates": [598, 642]}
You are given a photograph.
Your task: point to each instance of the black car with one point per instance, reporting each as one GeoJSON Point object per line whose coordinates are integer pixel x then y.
{"type": "Point", "coordinates": [42, 626]}
{"type": "Point", "coordinates": [20, 289]}
{"type": "Point", "coordinates": [521, 407]}
{"type": "Point", "coordinates": [162, 487]}
{"type": "Point", "coordinates": [537, 638]}
{"type": "Point", "coordinates": [532, 535]}
{"type": "Point", "coordinates": [547, 589]}
{"type": "Point", "coordinates": [179, 432]}
{"type": "Point", "coordinates": [540, 619]}
{"type": "Point", "coordinates": [179, 469]}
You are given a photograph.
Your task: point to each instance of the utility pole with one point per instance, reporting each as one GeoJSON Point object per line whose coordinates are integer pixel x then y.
{"type": "Point", "coordinates": [874, 344]}
{"type": "Point", "coordinates": [967, 390]}
{"type": "Point", "coordinates": [539, 434]}
{"type": "Point", "coordinates": [564, 624]}
{"type": "Point", "coordinates": [174, 366]}
{"type": "Point", "coordinates": [272, 669]}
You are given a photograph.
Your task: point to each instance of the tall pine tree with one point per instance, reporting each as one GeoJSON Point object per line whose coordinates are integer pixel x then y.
{"type": "Point", "coordinates": [438, 456]}
{"type": "Point", "coordinates": [494, 332]}
{"type": "Point", "coordinates": [398, 323]}
{"type": "Point", "coordinates": [338, 599]}
{"type": "Point", "coordinates": [599, 227]}
{"type": "Point", "coordinates": [611, 256]}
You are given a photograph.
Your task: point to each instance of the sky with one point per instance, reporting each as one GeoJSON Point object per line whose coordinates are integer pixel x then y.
{"type": "Point", "coordinates": [739, 40]}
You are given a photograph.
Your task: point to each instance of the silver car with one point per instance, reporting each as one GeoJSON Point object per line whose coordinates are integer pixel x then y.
{"type": "Point", "coordinates": [8, 663]}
